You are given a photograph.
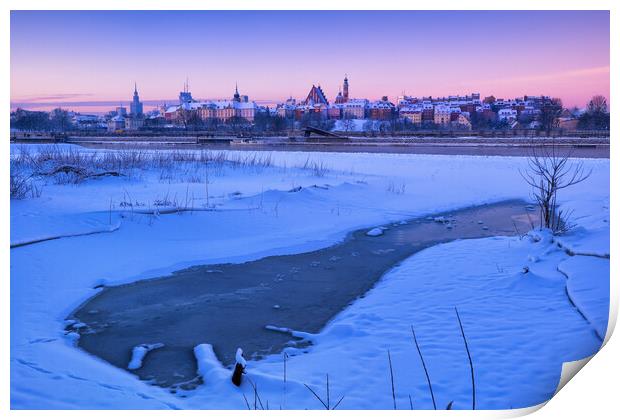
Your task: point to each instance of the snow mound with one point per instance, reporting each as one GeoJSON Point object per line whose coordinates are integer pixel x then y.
{"type": "Point", "coordinates": [138, 354]}
{"type": "Point", "coordinates": [239, 358]}
{"type": "Point", "coordinates": [209, 367]}
{"type": "Point", "coordinates": [375, 232]}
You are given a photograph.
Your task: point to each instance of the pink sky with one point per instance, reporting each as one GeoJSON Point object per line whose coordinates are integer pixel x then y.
{"type": "Point", "coordinates": [77, 58]}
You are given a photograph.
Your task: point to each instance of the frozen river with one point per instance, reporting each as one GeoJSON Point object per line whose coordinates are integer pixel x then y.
{"type": "Point", "coordinates": [229, 305]}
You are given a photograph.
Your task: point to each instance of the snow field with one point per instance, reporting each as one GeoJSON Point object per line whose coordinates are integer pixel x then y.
{"type": "Point", "coordinates": [520, 326]}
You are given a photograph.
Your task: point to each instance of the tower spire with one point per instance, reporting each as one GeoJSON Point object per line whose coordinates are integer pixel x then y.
{"type": "Point", "coordinates": [236, 96]}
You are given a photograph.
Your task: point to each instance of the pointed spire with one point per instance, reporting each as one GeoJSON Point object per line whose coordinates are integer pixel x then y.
{"type": "Point", "coordinates": [135, 88]}
{"type": "Point", "coordinates": [236, 89]}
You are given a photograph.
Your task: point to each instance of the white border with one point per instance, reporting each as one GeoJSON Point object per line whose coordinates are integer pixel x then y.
{"type": "Point", "coordinates": [593, 395]}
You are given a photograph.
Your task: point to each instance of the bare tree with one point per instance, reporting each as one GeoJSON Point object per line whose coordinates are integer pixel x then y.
{"type": "Point", "coordinates": [598, 103]}
{"type": "Point", "coordinates": [550, 111]}
{"type": "Point", "coordinates": [596, 115]}
{"type": "Point", "coordinates": [547, 173]}
{"type": "Point", "coordinates": [348, 123]}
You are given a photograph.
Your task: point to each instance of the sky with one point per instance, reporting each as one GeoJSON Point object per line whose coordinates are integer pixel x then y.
{"type": "Point", "coordinates": [89, 60]}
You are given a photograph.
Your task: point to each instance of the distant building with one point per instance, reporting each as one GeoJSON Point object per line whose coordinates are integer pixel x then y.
{"type": "Point", "coordinates": [413, 114]}
{"type": "Point", "coordinates": [185, 96]}
{"type": "Point", "coordinates": [507, 114]}
{"type": "Point", "coordinates": [316, 96]}
{"type": "Point", "coordinates": [134, 122]}
{"type": "Point", "coordinates": [116, 123]}
{"type": "Point", "coordinates": [287, 110]}
{"type": "Point", "coordinates": [218, 110]}
{"type": "Point", "coordinates": [428, 114]}
{"type": "Point", "coordinates": [86, 122]}
{"type": "Point", "coordinates": [121, 110]}
{"type": "Point", "coordinates": [334, 112]}
{"type": "Point", "coordinates": [381, 110]}
{"type": "Point", "coordinates": [442, 115]}
{"type": "Point", "coordinates": [461, 121]}
{"type": "Point", "coordinates": [135, 119]}
{"type": "Point", "coordinates": [136, 109]}
{"type": "Point", "coordinates": [354, 108]}
{"type": "Point", "coordinates": [345, 89]}
{"type": "Point", "coordinates": [568, 123]}
{"type": "Point", "coordinates": [339, 98]}
{"type": "Point", "coordinates": [343, 95]}
{"type": "Point", "coordinates": [236, 96]}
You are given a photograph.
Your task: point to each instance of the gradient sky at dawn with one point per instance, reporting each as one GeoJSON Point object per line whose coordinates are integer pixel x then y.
{"type": "Point", "coordinates": [87, 60]}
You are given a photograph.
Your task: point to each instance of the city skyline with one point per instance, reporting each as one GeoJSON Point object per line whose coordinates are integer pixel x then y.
{"type": "Point", "coordinates": [272, 55]}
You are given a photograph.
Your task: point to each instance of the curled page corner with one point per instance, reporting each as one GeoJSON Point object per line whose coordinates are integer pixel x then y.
{"type": "Point", "coordinates": [570, 369]}
{"type": "Point", "coordinates": [516, 412]}
{"type": "Point", "coordinates": [613, 313]}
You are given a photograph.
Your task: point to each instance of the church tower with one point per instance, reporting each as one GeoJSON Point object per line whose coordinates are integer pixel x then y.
{"type": "Point", "coordinates": [339, 97]}
{"type": "Point", "coordinates": [345, 89]}
{"type": "Point", "coordinates": [236, 96]}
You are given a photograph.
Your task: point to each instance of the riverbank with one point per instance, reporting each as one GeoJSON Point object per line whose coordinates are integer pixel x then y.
{"type": "Point", "coordinates": [468, 146]}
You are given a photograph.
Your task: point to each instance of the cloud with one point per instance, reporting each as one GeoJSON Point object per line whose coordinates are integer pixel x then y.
{"type": "Point", "coordinates": [54, 97]}
{"type": "Point", "coordinates": [570, 74]}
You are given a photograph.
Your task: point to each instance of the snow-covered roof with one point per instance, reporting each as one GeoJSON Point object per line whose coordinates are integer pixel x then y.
{"type": "Point", "coordinates": [411, 109]}
{"type": "Point", "coordinates": [381, 104]}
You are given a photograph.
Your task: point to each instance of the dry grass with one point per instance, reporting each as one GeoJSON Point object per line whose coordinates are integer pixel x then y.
{"type": "Point", "coordinates": [319, 168]}
{"type": "Point", "coordinates": [71, 166]}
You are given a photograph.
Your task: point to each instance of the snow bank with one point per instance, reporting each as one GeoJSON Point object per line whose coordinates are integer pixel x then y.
{"type": "Point", "coordinates": [520, 328]}
{"type": "Point", "coordinates": [588, 288]}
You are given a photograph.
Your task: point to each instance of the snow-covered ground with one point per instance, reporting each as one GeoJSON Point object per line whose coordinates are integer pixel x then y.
{"type": "Point", "coordinates": [520, 323]}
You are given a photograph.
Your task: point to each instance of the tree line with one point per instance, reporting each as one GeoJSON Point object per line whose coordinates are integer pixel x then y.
{"type": "Point", "coordinates": [58, 120]}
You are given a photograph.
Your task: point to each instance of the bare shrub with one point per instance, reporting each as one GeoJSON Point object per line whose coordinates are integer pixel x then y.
{"type": "Point", "coordinates": [22, 187]}
{"type": "Point", "coordinates": [547, 173]}
{"type": "Point", "coordinates": [22, 184]}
